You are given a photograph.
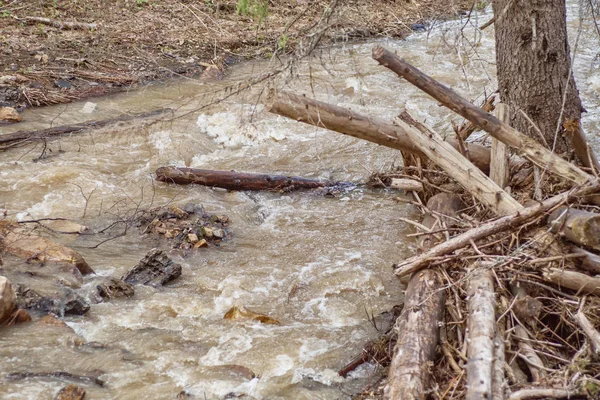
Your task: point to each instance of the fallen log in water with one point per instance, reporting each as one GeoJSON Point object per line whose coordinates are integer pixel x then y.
{"type": "Point", "coordinates": [524, 145]}
{"type": "Point", "coordinates": [233, 180]}
{"type": "Point", "coordinates": [15, 138]}
{"type": "Point", "coordinates": [360, 126]}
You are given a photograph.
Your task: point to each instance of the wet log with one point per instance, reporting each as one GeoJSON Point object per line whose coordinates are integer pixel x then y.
{"type": "Point", "coordinates": [419, 324]}
{"type": "Point", "coordinates": [361, 126]}
{"type": "Point", "coordinates": [481, 331]}
{"type": "Point", "coordinates": [232, 180]}
{"type": "Point", "coordinates": [581, 283]}
{"type": "Point", "coordinates": [457, 166]}
{"type": "Point", "coordinates": [589, 261]}
{"type": "Point", "coordinates": [506, 223]}
{"type": "Point", "coordinates": [12, 139]}
{"type": "Point", "coordinates": [581, 227]}
{"type": "Point", "coordinates": [523, 145]}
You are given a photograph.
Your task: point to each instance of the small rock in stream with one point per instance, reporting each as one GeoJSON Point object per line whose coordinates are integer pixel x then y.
{"type": "Point", "coordinates": [8, 299]}
{"type": "Point", "coordinates": [112, 288]}
{"type": "Point", "coordinates": [155, 269]}
{"type": "Point", "coordinates": [70, 392]}
{"type": "Point", "coordinates": [17, 317]}
{"type": "Point", "coordinates": [67, 302]}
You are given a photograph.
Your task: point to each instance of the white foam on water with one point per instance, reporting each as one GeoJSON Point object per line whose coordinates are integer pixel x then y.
{"type": "Point", "coordinates": [278, 366]}
{"type": "Point", "coordinates": [161, 140]}
{"type": "Point", "coordinates": [43, 209]}
{"type": "Point", "coordinates": [233, 342]}
{"type": "Point", "coordinates": [243, 125]}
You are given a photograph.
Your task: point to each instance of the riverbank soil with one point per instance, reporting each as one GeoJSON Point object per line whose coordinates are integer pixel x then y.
{"type": "Point", "coordinates": [117, 44]}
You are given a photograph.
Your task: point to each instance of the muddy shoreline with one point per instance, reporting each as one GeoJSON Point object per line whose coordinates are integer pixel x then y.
{"type": "Point", "coordinates": [134, 43]}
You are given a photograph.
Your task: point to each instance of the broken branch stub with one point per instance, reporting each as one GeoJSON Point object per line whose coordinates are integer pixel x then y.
{"type": "Point", "coordinates": [581, 227]}
{"type": "Point", "coordinates": [525, 146]}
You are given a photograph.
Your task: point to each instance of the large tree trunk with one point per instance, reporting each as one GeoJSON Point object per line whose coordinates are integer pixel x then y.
{"type": "Point", "coordinates": [533, 58]}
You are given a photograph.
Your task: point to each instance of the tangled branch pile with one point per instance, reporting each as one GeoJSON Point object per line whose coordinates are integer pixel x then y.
{"type": "Point", "coordinates": [501, 301]}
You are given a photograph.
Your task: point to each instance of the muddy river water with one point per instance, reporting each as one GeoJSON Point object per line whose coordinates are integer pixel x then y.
{"type": "Point", "coordinates": [317, 264]}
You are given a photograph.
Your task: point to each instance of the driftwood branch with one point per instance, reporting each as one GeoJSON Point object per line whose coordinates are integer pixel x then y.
{"type": "Point", "coordinates": [506, 223]}
{"type": "Point", "coordinates": [543, 393]}
{"type": "Point", "coordinates": [233, 180]}
{"type": "Point", "coordinates": [573, 280]}
{"type": "Point", "coordinates": [26, 136]}
{"type": "Point", "coordinates": [409, 185]}
{"type": "Point", "coordinates": [481, 332]}
{"type": "Point", "coordinates": [589, 261]}
{"type": "Point", "coordinates": [458, 167]}
{"type": "Point", "coordinates": [524, 145]}
{"type": "Point", "coordinates": [361, 126]}
{"type": "Point", "coordinates": [62, 24]}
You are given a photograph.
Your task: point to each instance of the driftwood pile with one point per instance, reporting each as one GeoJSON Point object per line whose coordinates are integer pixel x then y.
{"type": "Point", "coordinates": [502, 303]}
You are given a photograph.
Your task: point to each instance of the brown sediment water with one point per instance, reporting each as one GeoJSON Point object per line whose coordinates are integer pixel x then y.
{"type": "Point", "coordinates": [316, 264]}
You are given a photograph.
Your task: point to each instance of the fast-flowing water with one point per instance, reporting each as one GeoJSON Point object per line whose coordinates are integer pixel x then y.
{"type": "Point", "coordinates": [317, 264]}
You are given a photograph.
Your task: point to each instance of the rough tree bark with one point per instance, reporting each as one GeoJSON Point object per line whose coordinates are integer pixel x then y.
{"type": "Point", "coordinates": [419, 324]}
{"type": "Point", "coordinates": [533, 58]}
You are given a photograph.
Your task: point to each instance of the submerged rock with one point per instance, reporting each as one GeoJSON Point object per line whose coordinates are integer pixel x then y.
{"type": "Point", "coordinates": [155, 269]}
{"type": "Point", "coordinates": [8, 299]}
{"type": "Point", "coordinates": [44, 250]}
{"type": "Point", "coordinates": [239, 312]}
{"type": "Point", "coordinates": [17, 317]}
{"type": "Point", "coordinates": [65, 303]}
{"type": "Point", "coordinates": [112, 288]}
{"type": "Point", "coordinates": [70, 392]}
